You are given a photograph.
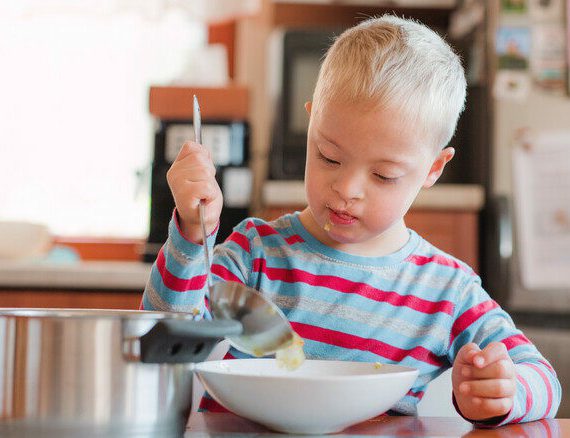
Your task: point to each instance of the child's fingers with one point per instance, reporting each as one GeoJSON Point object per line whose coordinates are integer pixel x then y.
{"type": "Point", "coordinates": [195, 191]}
{"type": "Point", "coordinates": [492, 407]}
{"type": "Point", "coordinates": [488, 388]}
{"type": "Point", "coordinates": [467, 352]}
{"type": "Point", "coordinates": [491, 353]}
{"type": "Point", "coordinates": [195, 173]}
{"type": "Point", "coordinates": [186, 149]}
{"type": "Point", "coordinates": [501, 369]}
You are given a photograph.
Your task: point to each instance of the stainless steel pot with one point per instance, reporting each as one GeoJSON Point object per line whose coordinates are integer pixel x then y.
{"type": "Point", "coordinates": [67, 372]}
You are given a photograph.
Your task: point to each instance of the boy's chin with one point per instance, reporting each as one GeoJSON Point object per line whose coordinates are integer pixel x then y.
{"type": "Point", "coordinates": [343, 239]}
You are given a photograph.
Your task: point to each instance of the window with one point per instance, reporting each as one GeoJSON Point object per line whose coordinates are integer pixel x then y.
{"type": "Point", "coordinates": [76, 137]}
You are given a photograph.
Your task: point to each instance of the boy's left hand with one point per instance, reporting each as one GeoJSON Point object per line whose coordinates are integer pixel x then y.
{"type": "Point", "coordinates": [484, 381]}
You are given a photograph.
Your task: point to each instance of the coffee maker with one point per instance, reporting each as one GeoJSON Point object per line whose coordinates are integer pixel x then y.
{"type": "Point", "coordinates": [228, 142]}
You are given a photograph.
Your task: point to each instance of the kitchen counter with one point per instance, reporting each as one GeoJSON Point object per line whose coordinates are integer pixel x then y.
{"type": "Point", "coordinates": [112, 275]}
{"type": "Point", "coordinates": [467, 197]}
{"type": "Point", "coordinates": [217, 424]}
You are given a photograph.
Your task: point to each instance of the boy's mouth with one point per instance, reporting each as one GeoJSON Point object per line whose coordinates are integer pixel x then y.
{"type": "Point", "coordinates": [338, 217]}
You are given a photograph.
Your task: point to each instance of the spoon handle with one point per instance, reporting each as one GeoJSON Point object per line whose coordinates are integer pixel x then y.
{"type": "Point", "coordinates": [197, 122]}
{"type": "Point", "coordinates": [206, 250]}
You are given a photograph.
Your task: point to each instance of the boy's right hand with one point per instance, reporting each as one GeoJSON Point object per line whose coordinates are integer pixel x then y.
{"type": "Point", "coordinates": [191, 178]}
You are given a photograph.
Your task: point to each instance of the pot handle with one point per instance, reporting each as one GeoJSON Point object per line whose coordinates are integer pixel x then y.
{"type": "Point", "coordinates": [184, 341]}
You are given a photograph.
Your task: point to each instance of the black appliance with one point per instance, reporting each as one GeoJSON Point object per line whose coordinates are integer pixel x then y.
{"type": "Point", "coordinates": [298, 54]}
{"type": "Point", "coordinates": [229, 144]}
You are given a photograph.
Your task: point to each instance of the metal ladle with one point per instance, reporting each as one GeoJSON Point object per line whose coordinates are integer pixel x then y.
{"type": "Point", "coordinates": [265, 327]}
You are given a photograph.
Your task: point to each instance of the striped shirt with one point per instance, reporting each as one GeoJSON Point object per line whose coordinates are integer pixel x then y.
{"type": "Point", "coordinates": [416, 307]}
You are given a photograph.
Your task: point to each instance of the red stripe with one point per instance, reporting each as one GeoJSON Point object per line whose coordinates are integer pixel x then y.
{"type": "Point", "coordinates": [546, 383]}
{"type": "Point", "coordinates": [225, 273]}
{"type": "Point", "coordinates": [211, 405]}
{"type": "Point", "coordinates": [549, 433]}
{"type": "Point", "coordinates": [515, 340]}
{"type": "Point", "coordinates": [229, 356]}
{"type": "Point", "coordinates": [265, 230]}
{"type": "Point", "coordinates": [295, 238]}
{"type": "Point", "coordinates": [438, 259]}
{"type": "Point", "coordinates": [249, 225]}
{"type": "Point", "coordinates": [419, 395]}
{"type": "Point", "coordinates": [529, 399]}
{"type": "Point", "coordinates": [547, 365]}
{"type": "Point", "coordinates": [176, 283]}
{"type": "Point", "coordinates": [470, 316]}
{"type": "Point", "coordinates": [346, 286]}
{"type": "Point", "coordinates": [240, 239]}
{"type": "Point", "coordinates": [345, 340]}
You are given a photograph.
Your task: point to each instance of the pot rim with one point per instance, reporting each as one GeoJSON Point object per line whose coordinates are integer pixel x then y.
{"type": "Point", "coordinates": [43, 313]}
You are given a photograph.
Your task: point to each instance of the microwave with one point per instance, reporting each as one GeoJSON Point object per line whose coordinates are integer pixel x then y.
{"type": "Point", "coordinates": [295, 59]}
{"type": "Point", "coordinates": [294, 63]}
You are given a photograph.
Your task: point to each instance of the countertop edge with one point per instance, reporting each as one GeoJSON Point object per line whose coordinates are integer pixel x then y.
{"type": "Point", "coordinates": [83, 275]}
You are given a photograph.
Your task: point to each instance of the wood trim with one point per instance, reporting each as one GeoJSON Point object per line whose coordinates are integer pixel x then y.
{"type": "Point", "coordinates": [104, 248]}
{"type": "Point", "coordinates": [71, 299]}
{"type": "Point", "coordinates": [175, 103]}
{"type": "Point", "coordinates": [304, 15]}
{"type": "Point", "coordinates": [225, 33]}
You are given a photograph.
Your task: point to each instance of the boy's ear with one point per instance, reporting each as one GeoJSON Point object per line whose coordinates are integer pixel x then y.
{"type": "Point", "coordinates": [308, 107]}
{"type": "Point", "coordinates": [437, 166]}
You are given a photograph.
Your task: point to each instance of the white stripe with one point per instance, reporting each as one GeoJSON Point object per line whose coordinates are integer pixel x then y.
{"type": "Point", "coordinates": [179, 256]}
{"type": "Point", "coordinates": [159, 304]}
{"type": "Point", "coordinates": [405, 328]}
{"type": "Point", "coordinates": [387, 272]}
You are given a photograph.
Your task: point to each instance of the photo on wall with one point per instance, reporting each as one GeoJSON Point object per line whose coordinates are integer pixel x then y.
{"type": "Point", "coordinates": [513, 47]}
{"type": "Point", "coordinates": [514, 6]}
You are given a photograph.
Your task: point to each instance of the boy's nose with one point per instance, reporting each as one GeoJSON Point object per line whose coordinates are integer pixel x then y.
{"type": "Point", "coordinates": [348, 188]}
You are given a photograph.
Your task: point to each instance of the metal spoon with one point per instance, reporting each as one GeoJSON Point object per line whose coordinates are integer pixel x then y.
{"type": "Point", "coordinates": [265, 327]}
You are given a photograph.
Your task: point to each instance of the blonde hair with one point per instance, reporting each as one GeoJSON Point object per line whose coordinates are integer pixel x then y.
{"type": "Point", "coordinates": [400, 64]}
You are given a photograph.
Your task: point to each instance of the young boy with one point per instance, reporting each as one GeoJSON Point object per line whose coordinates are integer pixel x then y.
{"type": "Point", "coordinates": [354, 281]}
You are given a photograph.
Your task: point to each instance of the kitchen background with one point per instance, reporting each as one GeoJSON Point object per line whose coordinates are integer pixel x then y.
{"type": "Point", "coordinates": [97, 99]}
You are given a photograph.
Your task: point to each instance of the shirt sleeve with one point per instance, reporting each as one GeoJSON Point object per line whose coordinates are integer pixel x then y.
{"type": "Point", "coordinates": [479, 319]}
{"type": "Point", "coordinates": [177, 281]}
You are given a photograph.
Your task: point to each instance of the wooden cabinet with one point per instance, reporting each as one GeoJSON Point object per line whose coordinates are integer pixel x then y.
{"type": "Point", "coordinates": [71, 299]}
{"type": "Point", "coordinates": [89, 249]}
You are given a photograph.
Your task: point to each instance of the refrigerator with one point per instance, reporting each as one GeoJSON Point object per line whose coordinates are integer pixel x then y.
{"type": "Point", "coordinates": [526, 68]}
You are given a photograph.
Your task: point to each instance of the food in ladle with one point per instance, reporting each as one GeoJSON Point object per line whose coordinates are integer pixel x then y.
{"type": "Point", "coordinates": [291, 357]}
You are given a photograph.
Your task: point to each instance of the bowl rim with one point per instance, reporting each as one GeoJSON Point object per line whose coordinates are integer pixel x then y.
{"type": "Point", "coordinates": [206, 367]}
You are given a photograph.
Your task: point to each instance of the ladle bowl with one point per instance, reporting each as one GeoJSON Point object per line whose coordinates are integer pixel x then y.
{"type": "Point", "coordinates": [265, 327]}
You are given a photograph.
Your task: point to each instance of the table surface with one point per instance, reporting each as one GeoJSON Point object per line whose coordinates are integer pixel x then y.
{"type": "Point", "coordinates": [216, 424]}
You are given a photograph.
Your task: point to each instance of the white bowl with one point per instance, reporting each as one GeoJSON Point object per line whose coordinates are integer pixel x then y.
{"type": "Point", "coordinates": [23, 240]}
{"type": "Point", "coordinates": [319, 397]}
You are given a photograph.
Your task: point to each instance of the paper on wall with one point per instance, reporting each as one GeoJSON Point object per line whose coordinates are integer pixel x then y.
{"type": "Point", "coordinates": [511, 85]}
{"type": "Point", "coordinates": [548, 10]}
{"type": "Point", "coordinates": [541, 191]}
{"type": "Point", "coordinates": [549, 56]}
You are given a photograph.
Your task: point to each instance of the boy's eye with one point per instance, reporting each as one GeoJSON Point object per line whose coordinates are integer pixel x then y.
{"type": "Point", "coordinates": [385, 178]}
{"type": "Point", "coordinates": [326, 159]}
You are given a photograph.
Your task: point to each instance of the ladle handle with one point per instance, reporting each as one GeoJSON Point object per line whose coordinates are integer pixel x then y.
{"type": "Point", "coordinates": [197, 122]}
{"type": "Point", "coordinates": [205, 243]}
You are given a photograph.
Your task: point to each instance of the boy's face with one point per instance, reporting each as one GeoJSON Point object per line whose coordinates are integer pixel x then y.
{"type": "Point", "coordinates": [363, 171]}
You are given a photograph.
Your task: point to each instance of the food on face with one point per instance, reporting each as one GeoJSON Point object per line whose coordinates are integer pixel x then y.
{"type": "Point", "coordinates": [327, 226]}
{"type": "Point", "coordinates": [291, 357]}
